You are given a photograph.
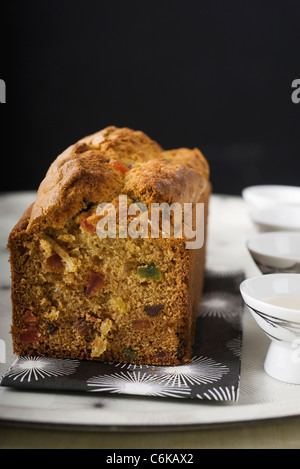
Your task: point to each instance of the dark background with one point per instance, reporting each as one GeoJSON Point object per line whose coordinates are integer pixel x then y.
{"type": "Point", "coordinates": [212, 74]}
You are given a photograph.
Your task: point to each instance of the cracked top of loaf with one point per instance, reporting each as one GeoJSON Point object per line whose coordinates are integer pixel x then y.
{"type": "Point", "coordinates": [117, 161]}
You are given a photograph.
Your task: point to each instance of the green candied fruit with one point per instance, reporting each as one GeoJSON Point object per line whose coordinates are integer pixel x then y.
{"type": "Point", "coordinates": [142, 207]}
{"type": "Point", "coordinates": [149, 271]}
{"type": "Point", "coordinates": [129, 353]}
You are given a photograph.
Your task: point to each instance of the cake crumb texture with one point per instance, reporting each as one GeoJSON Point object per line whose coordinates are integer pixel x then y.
{"type": "Point", "coordinates": [130, 300]}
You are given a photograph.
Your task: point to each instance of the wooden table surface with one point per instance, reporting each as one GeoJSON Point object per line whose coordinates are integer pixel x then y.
{"type": "Point", "coordinates": [277, 434]}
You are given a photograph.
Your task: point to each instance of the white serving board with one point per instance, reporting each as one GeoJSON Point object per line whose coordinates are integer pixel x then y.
{"type": "Point", "coordinates": [261, 397]}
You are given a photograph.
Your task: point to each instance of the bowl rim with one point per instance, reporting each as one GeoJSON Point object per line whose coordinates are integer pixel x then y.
{"type": "Point", "coordinates": [282, 187]}
{"type": "Point", "coordinates": [257, 216]}
{"type": "Point", "coordinates": [269, 234]}
{"type": "Point", "coordinates": [276, 309]}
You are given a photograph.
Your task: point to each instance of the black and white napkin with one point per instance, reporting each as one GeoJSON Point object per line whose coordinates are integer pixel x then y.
{"type": "Point", "coordinates": [213, 374]}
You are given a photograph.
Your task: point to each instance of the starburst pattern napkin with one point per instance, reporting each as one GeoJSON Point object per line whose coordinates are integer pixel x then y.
{"type": "Point", "coordinates": [213, 373]}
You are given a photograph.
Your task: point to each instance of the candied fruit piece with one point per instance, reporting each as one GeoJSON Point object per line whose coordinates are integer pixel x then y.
{"type": "Point", "coordinates": [161, 354]}
{"type": "Point", "coordinates": [29, 316]}
{"type": "Point", "coordinates": [95, 282]}
{"type": "Point", "coordinates": [129, 353]}
{"type": "Point", "coordinates": [30, 335]}
{"type": "Point", "coordinates": [149, 271]}
{"type": "Point", "coordinates": [141, 324]}
{"type": "Point", "coordinates": [153, 310]}
{"type": "Point", "coordinates": [106, 326]}
{"type": "Point", "coordinates": [87, 226]}
{"type": "Point", "coordinates": [116, 164]}
{"type": "Point", "coordinates": [53, 314]}
{"type": "Point", "coordinates": [48, 243]}
{"type": "Point", "coordinates": [99, 346]}
{"type": "Point", "coordinates": [55, 263]}
{"type": "Point", "coordinates": [51, 328]}
{"type": "Point", "coordinates": [82, 326]}
{"type": "Point", "coordinates": [119, 304]}
{"type": "Point", "coordinates": [142, 207]}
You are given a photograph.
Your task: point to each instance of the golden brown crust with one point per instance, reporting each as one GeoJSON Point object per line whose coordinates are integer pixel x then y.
{"type": "Point", "coordinates": [124, 144]}
{"type": "Point", "coordinates": [74, 296]}
{"type": "Point", "coordinates": [84, 173]}
{"type": "Point", "coordinates": [77, 176]}
{"type": "Point", "coordinates": [164, 181]}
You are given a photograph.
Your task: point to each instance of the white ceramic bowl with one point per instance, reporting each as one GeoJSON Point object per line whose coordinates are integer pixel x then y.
{"type": "Point", "coordinates": [276, 252]}
{"type": "Point", "coordinates": [281, 324]}
{"type": "Point", "coordinates": [268, 196]}
{"type": "Point", "coordinates": [279, 219]}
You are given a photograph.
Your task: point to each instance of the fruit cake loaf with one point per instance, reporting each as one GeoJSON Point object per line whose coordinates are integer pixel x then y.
{"type": "Point", "coordinates": [130, 300]}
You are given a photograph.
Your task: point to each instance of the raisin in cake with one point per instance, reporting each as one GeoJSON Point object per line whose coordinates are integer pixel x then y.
{"type": "Point", "coordinates": [131, 300]}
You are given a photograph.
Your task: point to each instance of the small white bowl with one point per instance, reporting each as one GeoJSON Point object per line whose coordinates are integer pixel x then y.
{"type": "Point", "coordinates": [276, 252]}
{"type": "Point", "coordinates": [280, 324]}
{"type": "Point", "coordinates": [279, 219]}
{"type": "Point", "coordinates": [268, 196]}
